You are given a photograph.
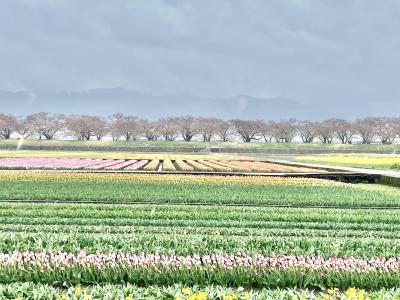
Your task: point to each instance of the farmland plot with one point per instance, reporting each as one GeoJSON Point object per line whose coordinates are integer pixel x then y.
{"type": "Point", "coordinates": [37, 163]}
{"type": "Point", "coordinates": [196, 237]}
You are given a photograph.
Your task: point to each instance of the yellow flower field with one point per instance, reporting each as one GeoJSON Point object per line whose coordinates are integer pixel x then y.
{"type": "Point", "coordinates": [356, 160]}
{"type": "Point", "coordinates": [41, 176]}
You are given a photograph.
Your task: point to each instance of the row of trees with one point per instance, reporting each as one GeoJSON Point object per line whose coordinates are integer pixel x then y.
{"type": "Point", "coordinates": [119, 126]}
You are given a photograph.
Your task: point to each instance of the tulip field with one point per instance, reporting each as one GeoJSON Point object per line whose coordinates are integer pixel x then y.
{"type": "Point", "coordinates": [89, 164]}
{"type": "Point", "coordinates": [137, 235]}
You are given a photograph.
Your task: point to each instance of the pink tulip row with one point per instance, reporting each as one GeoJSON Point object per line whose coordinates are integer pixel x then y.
{"type": "Point", "coordinates": [121, 165]}
{"type": "Point", "coordinates": [70, 163]}
{"type": "Point", "coordinates": [104, 164]}
{"type": "Point", "coordinates": [137, 165]}
{"type": "Point", "coordinates": [53, 260]}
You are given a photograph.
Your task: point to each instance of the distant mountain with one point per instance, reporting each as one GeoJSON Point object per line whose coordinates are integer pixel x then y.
{"type": "Point", "coordinates": [107, 101]}
{"type": "Point", "coordinates": [248, 107]}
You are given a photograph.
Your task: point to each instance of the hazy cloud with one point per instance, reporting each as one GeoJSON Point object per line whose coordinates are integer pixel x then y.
{"type": "Point", "coordinates": [334, 53]}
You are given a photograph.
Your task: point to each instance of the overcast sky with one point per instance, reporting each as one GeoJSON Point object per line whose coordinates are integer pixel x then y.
{"type": "Point", "coordinates": [339, 53]}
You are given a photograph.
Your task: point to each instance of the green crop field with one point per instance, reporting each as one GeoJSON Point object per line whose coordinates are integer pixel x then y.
{"type": "Point", "coordinates": [152, 236]}
{"type": "Point", "coordinates": [133, 188]}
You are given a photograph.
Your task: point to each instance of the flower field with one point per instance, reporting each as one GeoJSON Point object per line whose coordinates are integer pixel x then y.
{"type": "Point", "coordinates": [374, 161]}
{"type": "Point", "coordinates": [179, 292]}
{"type": "Point", "coordinates": [133, 235]}
{"type": "Point", "coordinates": [192, 189]}
{"type": "Point", "coordinates": [222, 269]}
{"type": "Point", "coordinates": [37, 163]}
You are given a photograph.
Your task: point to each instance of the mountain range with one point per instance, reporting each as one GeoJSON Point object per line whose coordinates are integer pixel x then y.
{"type": "Point", "coordinates": [106, 101]}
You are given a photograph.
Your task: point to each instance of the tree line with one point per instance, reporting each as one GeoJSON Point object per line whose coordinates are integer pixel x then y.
{"type": "Point", "coordinates": [121, 127]}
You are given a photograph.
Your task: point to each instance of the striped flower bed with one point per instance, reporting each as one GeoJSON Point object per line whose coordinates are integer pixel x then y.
{"type": "Point", "coordinates": [183, 166]}
{"type": "Point", "coordinates": [106, 163]}
{"type": "Point", "coordinates": [121, 165]}
{"type": "Point", "coordinates": [244, 270]}
{"type": "Point", "coordinates": [168, 165]}
{"type": "Point", "coordinates": [146, 165]}
{"type": "Point", "coordinates": [152, 165]}
{"type": "Point", "coordinates": [137, 165]}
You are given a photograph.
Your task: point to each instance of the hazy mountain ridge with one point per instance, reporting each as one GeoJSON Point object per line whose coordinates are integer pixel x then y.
{"type": "Point", "coordinates": [106, 101]}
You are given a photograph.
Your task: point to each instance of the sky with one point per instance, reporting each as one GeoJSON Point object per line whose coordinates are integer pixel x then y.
{"type": "Point", "coordinates": [340, 56]}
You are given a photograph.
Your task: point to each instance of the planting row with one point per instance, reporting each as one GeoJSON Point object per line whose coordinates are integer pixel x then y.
{"type": "Point", "coordinates": [189, 243]}
{"type": "Point", "coordinates": [288, 231]}
{"type": "Point", "coordinates": [30, 291]}
{"type": "Point", "coordinates": [190, 229]}
{"type": "Point", "coordinates": [365, 218]}
{"type": "Point", "coordinates": [155, 188]}
{"type": "Point", "coordinates": [146, 165]}
{"type": "Point", "coordinates": [220, 269]}
{"type": "Point", "coordinates": [81, 221]}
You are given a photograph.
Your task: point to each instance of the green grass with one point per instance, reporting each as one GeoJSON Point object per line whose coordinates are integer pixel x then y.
{"type": "Point", "coordinates": [205, 145]}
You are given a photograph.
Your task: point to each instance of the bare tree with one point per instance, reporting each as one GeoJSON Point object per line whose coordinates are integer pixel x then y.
{"type": "Point", "coordinates": [396, 125]}
{"type": "Point", "coordinates": [284, 131]}
{"type": "Point", "coordinates": [79, 126]}
{"type": "Point", "coordinates": [344, 130]}
{"type": "Point", "coordinates": [125, 126]}
{"type": "Point", "coordinates": [307, 131]}
{"type": "Point", "coordinates": [208, 127]}
{"type": "Point", "coordinates": [223, 129]}
{"type": "Point", "coordinates": [115, 134]}
{"type": "Point", "coordinates": [325, 131]}
{"type": "Point", "coordinates": [366, 129]}
{"type": "Point", "coordinates": [168, 127]}
{"type": "Point", "coordinates": [8, 124]}
{"type": "Point", "coordinates": [24, 127]}
{"type": "Point", "coordinates": [85, 127]}
{"type": "Point", "coordinates": [46, 125]}
{"type": "Point", "coordinates": [100, 127]}
{"type": "Point", "coordinates": [150, 129]}
{"type": "Point", "coordinates": [386, 130]}
{"type": "Point", "coordinates": [247, 129]}
{"type": "Point", "coordinates": [188, 127]}
{"type": "Point", "coordinates": [267, 129]}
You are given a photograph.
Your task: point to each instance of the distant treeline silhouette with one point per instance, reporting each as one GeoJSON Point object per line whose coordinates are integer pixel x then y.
{"type": "Point", "coordinates": [121, 127]}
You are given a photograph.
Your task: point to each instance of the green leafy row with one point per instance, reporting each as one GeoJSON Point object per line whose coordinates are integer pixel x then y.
{"type": "Point", "coordinates": [209, 213]}
{"type": "Point", "coordinates": [253, 277]}
{"type": "Point", "coordinates": [173, 192]}
{"type": "Point", "coordinates": [31, 291]}
{"type": "Point", "coordinates": [33, 221]}
{"type": "Point", "coordinates": [183, 244]}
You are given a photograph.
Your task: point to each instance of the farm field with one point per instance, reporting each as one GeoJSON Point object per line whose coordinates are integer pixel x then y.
{"type": "Point", "coordinates": [170, 236]}
{"type": "Point", "coordinates": [70, 232]}
{"type": "Point", "coordinates": [90, 164]}
{"type": "Point", "coordinates": [121, 155]}
{"type": "Point", "coordinates": [373, 161]}
{"type": "Point", "coordinates": [180, 292]}
{"type": "Point", "coordinates": [162, 188]}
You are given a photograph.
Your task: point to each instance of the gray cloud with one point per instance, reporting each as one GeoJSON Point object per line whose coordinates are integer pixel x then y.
{"type": "Point", "coordinates": [334, 54]}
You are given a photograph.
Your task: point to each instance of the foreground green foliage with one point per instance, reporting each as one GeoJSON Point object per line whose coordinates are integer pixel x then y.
{"type": "Point", "coordinates": [184, 229]}
{"type": "Point", "coordinates": [167, 225]}
{"type": "Point", "coordinates": [30, 291]}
